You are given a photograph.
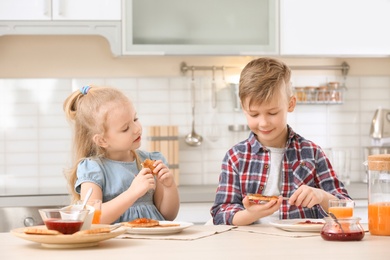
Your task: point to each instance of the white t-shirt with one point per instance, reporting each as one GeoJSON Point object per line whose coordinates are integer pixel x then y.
{"type": "Point", "coordinates": [272, 187]}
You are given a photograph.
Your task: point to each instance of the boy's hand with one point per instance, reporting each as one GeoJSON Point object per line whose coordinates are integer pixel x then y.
{"type": "Point", "coordinates": [261, 210]}
{"type": "Point", "coordinates": [306, 196]}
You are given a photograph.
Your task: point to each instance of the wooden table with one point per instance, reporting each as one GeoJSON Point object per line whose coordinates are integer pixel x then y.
{"type": "Point", "coordinates": [231, 244]}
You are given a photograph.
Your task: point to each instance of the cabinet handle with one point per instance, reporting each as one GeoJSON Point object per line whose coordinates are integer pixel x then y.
{"type": "Point", "coordinates": [60, 8]}
{"type": "Point", "coordinates": [46, 7]}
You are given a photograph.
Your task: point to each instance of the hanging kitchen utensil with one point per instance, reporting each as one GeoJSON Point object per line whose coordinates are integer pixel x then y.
{"type": "Point", "coordinates": [193, 139]}
{"type": "Point", "coordinates": [213, 131]}
{"type": "Point", "coordinates": [213, 91]}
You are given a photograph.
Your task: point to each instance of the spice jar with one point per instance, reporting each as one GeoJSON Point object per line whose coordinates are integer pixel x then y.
{"type": "Point", "coordinates": [300, 94]}
{"type": "Point", "coordinates": [322, 94]}
{"type": "Point", "coordinates": [379, 194]}
{"type": "Point", "coordinates": [342, 229]}
{"type": "Point", "coordinates": [334, 91]}
{"type": "Point", "coordinates": [310, 94]}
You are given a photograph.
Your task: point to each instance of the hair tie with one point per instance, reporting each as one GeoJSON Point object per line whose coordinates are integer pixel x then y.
{"type": "Point", "coordinates": [84, 90]}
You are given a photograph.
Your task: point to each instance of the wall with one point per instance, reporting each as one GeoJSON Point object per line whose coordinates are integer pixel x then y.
{"type": "Point", "coordinates": [37, 73]}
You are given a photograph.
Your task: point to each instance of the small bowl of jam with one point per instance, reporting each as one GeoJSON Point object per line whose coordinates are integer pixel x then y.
{"type": "Point", "coordinates": [65, 221]}
{"type": "Point", "coordinates": [342, 229]}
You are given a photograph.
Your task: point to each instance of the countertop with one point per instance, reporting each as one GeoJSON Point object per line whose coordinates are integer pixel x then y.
{"type": "Point", "coordinates": [232, 244]}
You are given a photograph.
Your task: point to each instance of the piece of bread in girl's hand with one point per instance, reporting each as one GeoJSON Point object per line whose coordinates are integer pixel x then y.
{"type": "Point", "coordinates": [256, 198]}
{"type": "Point", "coordinates": [149, 164]}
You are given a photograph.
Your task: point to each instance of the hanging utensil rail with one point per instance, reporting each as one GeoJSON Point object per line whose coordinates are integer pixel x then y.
{"type": "Point", "coordinates": [344, 67]}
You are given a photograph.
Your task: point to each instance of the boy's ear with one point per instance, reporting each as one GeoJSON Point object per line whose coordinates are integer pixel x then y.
{"type": "Point", "coordinates": [292, 103]}
{"type": "Point", "coordinates": [100, 141]}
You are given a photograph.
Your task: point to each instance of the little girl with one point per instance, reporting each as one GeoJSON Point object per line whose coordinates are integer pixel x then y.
{"type": "Point", "coordinates": [107, 134]}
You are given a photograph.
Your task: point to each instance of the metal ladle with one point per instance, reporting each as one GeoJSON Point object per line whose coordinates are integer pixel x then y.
{"type": "Point", "coordinates": [193, 139]}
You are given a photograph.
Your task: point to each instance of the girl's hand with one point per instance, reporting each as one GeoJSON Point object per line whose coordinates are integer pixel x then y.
{"type": "Point", "coordinates": [143, 182]}
{"type": "Point", "coordinates": [164, 175]}
{"type": "Point", "coordinates": [306, 196]}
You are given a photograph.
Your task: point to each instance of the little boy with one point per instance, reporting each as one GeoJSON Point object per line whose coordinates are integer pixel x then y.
{"type": "Point", "coordinates": [274, 160]}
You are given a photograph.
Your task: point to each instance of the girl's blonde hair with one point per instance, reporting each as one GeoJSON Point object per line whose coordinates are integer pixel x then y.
{"type": "Point", "coordinates": [87, 110]}
{"type": "Point", "coordinates": [262, 78]}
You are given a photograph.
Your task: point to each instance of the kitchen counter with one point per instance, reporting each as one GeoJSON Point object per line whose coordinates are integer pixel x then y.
{"type": "Point", "coordinates": [231, 244]}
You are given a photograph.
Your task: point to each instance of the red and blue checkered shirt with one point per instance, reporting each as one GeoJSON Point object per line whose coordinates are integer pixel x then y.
{"type": "Point", "coordinates": [246, 167]}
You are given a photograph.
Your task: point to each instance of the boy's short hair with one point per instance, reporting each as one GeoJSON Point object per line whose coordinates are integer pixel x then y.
{"type": "Point", "coordinates": [261, 79]}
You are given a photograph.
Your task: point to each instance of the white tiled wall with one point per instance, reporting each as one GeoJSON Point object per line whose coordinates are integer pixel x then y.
{"type": "Point", "coordinates": [35, 138]}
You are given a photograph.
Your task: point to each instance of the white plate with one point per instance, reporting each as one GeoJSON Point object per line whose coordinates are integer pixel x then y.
{"type": "Point", "coordinates": [297, 225]}
{"type": "Point", "coordinates": [159, 230]}
{"type": "Point", "coordinates": [68, 241]}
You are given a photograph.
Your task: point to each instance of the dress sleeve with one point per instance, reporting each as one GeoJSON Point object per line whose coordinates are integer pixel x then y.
{"type": "Point", "coordinates": [89, 170]}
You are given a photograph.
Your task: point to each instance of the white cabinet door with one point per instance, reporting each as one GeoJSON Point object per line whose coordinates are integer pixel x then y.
{"type": "Point", "coordinates": [87, 10]}
{"type": "Point", "coordinates": [25, 10]}
{"type": "Point", "coordinates": [334, 27]}
{"type": "Point", "coordinates": [71, 10]}
{"type": "Point", "coordinates": [217, 27]}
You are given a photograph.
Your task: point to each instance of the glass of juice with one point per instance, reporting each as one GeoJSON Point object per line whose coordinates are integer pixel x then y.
{"type": "Point", "coordinates": [97, 205]}
{"type": "Point", "coordinates": [341, 208]}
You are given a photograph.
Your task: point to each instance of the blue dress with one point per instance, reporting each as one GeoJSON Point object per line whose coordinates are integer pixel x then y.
{"type": "Point", "coordinates": [115, 177]}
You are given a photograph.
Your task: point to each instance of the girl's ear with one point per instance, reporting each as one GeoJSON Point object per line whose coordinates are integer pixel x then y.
{"type": "Point", "coordinates": [292, 103]}
{"type": "Point", "coordinates": [99, 141]}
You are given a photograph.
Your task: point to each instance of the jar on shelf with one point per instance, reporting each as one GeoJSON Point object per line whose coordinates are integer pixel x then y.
{"type": "Point", "coordinates": [322, 94]}
{"type": "Point", "coordinates": [334, 91]}
{"type": "Point", "coordinates": [300, 94]}
{"type": "Point", "coordinates": [311, 94]}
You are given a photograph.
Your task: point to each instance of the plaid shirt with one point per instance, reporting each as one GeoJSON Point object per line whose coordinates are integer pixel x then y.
{"type": "Point", "coordinates": [245, 169]}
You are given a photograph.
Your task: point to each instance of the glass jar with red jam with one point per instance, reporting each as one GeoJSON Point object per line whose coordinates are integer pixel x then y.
{"type": "Point", "coordinates": [344, 229]}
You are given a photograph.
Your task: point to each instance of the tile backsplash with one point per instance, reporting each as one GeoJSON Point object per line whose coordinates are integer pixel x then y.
{"type": "Point", "coordinates": [35, 138]}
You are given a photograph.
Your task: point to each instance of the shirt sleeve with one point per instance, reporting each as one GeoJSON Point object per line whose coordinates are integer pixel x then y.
{"type": "Point", "coordinates": [89, 170]}
{"type": "Point", "coordinates": [228, 199]}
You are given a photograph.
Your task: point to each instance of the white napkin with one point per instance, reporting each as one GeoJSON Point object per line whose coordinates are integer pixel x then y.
{"type": "Point", "coordinates": [190, 233]}
{"type": "Point", "coordinates": [271, 230]}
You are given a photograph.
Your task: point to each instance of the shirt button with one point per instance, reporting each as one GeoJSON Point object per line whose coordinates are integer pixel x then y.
{"type": "Point", "coordinates": [261, 187]}
{"type": "Point", "coordinates": [266, 166]}
{"type": "Point", "coordinates": [302, 163]}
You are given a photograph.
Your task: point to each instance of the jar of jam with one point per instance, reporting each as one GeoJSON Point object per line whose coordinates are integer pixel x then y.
{"type": "Point", "coordinates": [344, 229]}
{"type": "Point", "coordinates": [379, 194]}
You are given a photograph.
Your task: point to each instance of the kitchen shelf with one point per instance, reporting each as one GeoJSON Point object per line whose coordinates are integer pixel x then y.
{"type": "Point", "coordinates": [314, 96]}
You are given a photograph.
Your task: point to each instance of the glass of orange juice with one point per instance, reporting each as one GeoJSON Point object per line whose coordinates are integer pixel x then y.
{"type": "Point", "coordinates": [341, 208]}
{"type": "Point", "coordinates": [97, 204]}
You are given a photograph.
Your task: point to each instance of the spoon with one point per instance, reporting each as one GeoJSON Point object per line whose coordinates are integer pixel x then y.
{"type": "Point", "coordinates": [193, 139]}
{"type": "Point", "coordinates": [335, 220]}
{"type": "Point", "coordinates": [87, 196]}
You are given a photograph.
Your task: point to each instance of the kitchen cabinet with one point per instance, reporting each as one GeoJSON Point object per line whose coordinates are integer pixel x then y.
{"type": "Point", "coordinates": [32, 10]}
{"type": "Point", "coordinates": [334, 28]}
{"type": "Point", "coordinates": [63, 17]}
{"type": "Point", "coordinates": [202, 27]}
